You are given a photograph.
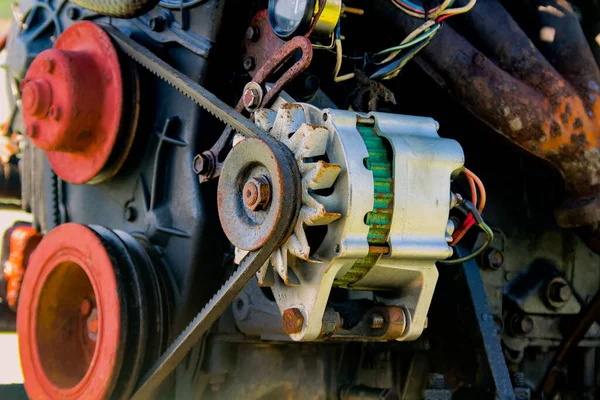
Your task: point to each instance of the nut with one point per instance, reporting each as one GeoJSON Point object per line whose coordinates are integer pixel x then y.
{"type": "Point", "coordinates": [292, 321]}
{"type": "Point", "coordinates": [252, 34]}
{"type": "Point", "coordinates": [249, 63]}
{"type": "Point", "coordinates": [257, 193]}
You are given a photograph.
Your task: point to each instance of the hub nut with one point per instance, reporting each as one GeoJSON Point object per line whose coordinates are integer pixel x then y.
{"type": "Point", "coordinates": [292, 321]}
{"type": "Point", "coordinates": [257, 193]}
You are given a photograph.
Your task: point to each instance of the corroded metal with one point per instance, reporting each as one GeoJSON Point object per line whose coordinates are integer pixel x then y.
{"type": "Point", "coordinates": [550, 110]}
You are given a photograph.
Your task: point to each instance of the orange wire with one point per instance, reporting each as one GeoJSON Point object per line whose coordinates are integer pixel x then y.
{"type": "Point", "coordinates": [481, 188]}
{"type": "Point", "coordinates": [470, 221]}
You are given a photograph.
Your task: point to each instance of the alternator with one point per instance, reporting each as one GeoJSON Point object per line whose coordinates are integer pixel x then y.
{"type": "Point", "coordinates": [378, 188]}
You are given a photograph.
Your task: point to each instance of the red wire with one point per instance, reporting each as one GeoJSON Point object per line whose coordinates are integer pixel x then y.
{"type": "Point", "coordinates": [470, 220]}
{"type": "Point", "coordinates": [443, 17]}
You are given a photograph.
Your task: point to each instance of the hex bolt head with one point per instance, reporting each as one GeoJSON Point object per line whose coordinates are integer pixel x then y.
{"type": "Point", "coordinates": [158, 24]}
{"type": "Point", "coordinates": [522, 325]}
{"type": "Point", "coordinates": [376, 321]}
{"type": "Point", "coordinates": [249, 63]}
{"type": "Point", "coordinates": [252, 33]}
{"type": "Point", "coordinates": [251, 98]}
{"type": "Point", "coordinates": [292, 321]}
{"type": "Point", "coordinates": [560, 292]}
{"type": "Point", "coordinates": [257, 193]}
{"type": "Point", "coordinates": [493, 259]}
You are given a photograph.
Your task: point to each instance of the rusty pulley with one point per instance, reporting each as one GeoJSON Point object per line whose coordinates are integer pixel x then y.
{"type": "Point", "coordinates": [90, 316]}
{"type": "Point", "coordinates": [80, 104]}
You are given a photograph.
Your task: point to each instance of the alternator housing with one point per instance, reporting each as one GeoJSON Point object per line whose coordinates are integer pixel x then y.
{"type": "Point", "coordinates": [370, 248]}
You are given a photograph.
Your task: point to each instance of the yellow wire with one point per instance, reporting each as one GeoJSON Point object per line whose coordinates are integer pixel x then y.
{"type": "Point", "coordinates": [460, 10]}
{"type": "Point", "coordinates": [440, 10]}
{"type": "Point", "coordinates": [338, 64]}
{"type": "Point", "coordinates": [411, 36]}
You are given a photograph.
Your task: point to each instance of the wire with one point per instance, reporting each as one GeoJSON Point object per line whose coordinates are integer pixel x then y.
{"type": "Point", "coordinates": [410, 37]}
{"type": "Point", "coordinates": [417, 11]}
{"type": "Point", "coordinates": [459, 10]}
{"type": "Point", "coordinates": [484, 227]}
{"type": "Point", "coordinates": [339, 55]}
{"type": "Point", "coordinates": [418, 39]}
{"type": "Point", "coordinates": [470, 221]}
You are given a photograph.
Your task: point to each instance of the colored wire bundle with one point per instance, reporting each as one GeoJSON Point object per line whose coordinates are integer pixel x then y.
{"type": "Point", "coordinates": [438, 13]}
{"type": "Point", "coordinates": [474, 182]}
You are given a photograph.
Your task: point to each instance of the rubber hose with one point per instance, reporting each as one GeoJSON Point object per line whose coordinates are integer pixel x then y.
{"type": "Point", "coordinates": [118, 8]}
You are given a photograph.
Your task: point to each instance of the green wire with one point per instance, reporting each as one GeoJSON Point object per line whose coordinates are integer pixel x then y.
{"type": "Point", "coordinates": [416, 40]}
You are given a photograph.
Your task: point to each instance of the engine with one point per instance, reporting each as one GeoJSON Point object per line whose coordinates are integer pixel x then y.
{"type": "Point", "coordinates": [303, 199]}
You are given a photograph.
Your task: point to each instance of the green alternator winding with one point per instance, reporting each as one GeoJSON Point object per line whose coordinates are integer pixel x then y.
{"type": "Point", "coordinates": [380, 219]}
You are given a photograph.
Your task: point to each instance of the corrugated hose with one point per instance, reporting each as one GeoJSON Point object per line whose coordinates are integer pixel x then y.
{"type": "Point", "coordinates": [118, 8]}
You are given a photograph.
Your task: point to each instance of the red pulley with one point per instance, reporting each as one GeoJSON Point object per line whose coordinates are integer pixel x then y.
{"type": "Point", "coordinates": [71, 317]}
{"type": "Point", "coordinates": [79, 106]}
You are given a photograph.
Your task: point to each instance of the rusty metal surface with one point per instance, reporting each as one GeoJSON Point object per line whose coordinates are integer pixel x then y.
{"type": "Point", "coordinates": [208, 164]}
{"type": "Point", "coordinates": [23, 241]}
{"type": "Point", "coordinates": [73, 102]}
{"type": "Point", "coordinates": [549, 110]}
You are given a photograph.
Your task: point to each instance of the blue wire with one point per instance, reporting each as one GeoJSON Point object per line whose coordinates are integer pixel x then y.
{"type": "Point", "coordinates": [418, 7]}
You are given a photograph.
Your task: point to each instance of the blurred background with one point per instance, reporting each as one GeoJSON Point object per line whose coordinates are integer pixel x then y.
{"type": "Point", "coordinates": [10, 370]}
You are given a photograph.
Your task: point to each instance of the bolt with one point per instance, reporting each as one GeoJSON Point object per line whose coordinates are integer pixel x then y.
{"type": "Point", "coordinates": [203, 164]}
{"type": "Point", "coordinates": [292, 321]}
{"type": "Point", "coordinates": [522, 324]}
{"type": "Point", "coordinates": [257, 193]}
{"type": "Point", "coordinates": [158, 24]}
{"type": "Point", "coordinates": [48, 65]}
{"type": "Point", "coordinates": [130, 214]}
{"type": "Point", "coordinates": [376, 321]}
{"type": "Point", "coordinates": [249, 63]}
{"type": "Point", "coordinates": [86, 307]}
{"type": "Point", "coordinates": [252, 33]}
{"type": "Point", "coordinates": [35, 97]}
{"type": "Point", "coordinates": [493, 259]}
{"type": "Point", "coordinates": [73, 13]}
{"type": "Point", "coordinates": [559, 291]}
{"type": "Point", "coordinates": [55, 113]}
{"type": "Point", "coordinates": [251, 98]}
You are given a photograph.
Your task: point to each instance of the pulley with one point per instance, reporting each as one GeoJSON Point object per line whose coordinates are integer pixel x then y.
{"type": "Point", "coordinates": [92, 314]}
{"type": "Point", "coordinates": [80, 105]}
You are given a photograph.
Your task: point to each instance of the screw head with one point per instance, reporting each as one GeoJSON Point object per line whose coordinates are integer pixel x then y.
{"type": "Point", "coordinates": [522, 325]}
{"type": "Point", "coordinates": [257, 193]}
{"type": "Point", "coordinates": [249, 63]}
{"type": "Point", "coordinates": [292, 321]}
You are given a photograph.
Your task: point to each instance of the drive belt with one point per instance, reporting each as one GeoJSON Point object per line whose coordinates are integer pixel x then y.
{"type": "Point", "coordinates": [254, 260]}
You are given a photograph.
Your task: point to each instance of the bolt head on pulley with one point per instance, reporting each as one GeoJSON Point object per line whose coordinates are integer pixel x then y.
{"type": "Point", "coordinates": [74, 107]}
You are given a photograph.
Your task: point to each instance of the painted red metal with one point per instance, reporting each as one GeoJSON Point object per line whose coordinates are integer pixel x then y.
{"type": "Point", "coordinates": [64, 353]}
{"type": "Point", "coordinates": [23, 241]}
{"type": "Point", "coordinates": [72, 100]}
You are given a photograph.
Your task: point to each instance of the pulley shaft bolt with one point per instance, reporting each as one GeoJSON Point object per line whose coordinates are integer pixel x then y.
{"type": "Point", "coordinates": [292, 321]}
{"type": "Point", "coordinates": [35, 97]}
{"type": "Point", "coordinates": [376, 321]}
{"type": "Point", "coordinates": [257, 193]}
